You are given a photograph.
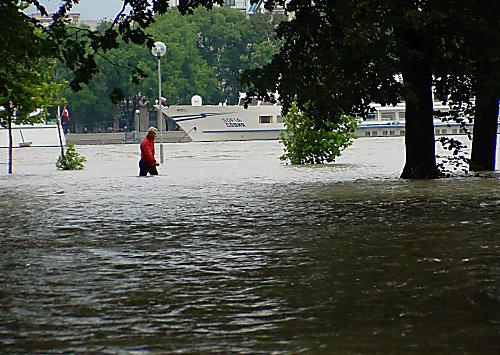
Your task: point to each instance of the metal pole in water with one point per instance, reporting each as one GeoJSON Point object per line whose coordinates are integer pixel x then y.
{"type": "Point", "coordinates": [159, 117]}
{"type": "Point", "coordinates": [136, 126]}
{"type": "Point", "coordinates": [159, 49]}
{"type": "Point", "coordinates": [59, 126]}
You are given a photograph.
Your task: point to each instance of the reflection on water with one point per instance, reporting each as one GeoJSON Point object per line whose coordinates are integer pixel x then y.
{"type": "Point", "coordinates": [231, 251]}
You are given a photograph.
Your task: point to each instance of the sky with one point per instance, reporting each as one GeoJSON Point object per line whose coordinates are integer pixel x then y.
{"type": "Point", "coordinates": [89, 9]}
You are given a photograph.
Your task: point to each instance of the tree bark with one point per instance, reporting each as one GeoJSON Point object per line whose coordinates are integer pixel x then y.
{"type": "Point", "coordinates": [9, 125]}
{"type": "Point", "coordinates": [484, 142]}
{"type": "Point", "coordinates": [419, 138]}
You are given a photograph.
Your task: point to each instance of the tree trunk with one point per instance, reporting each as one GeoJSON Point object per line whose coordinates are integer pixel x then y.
{"type": "Point", "coordinates": [419, 139]}
{"type": "Point", "coordinates": [484, 143]}
{"type": "Point", "coordinates": [9, 125]}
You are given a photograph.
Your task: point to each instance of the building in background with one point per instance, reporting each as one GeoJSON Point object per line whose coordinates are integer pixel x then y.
{"type": "Point", "coordinates": [73, 18]}
{"type": "Point", "coordinates": [242, 5]}
{"type": "Point", "coordinates": [245, 6]}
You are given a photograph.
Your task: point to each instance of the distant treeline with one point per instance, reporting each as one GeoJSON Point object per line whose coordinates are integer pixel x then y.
{"type": "Point", "coordinates": [206, 53]}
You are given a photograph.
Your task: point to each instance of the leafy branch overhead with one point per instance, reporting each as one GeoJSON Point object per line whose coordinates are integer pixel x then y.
{"type": "Point", "coordinates": [79, 49]}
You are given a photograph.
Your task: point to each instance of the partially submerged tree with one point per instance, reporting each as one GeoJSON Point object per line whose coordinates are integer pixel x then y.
{"type": "Point", "coordinates": [27, 45]}
{"type": "Point", "coordinates": [343, 55]}
{"type": "Point", "coordinates": [26, 87]}
{"type": "Point", "coordinates": [29, 96]}
{"type": "Point", "coordinates": [469, 74]}
{"type": "Point", "coordinates": [338, 56]}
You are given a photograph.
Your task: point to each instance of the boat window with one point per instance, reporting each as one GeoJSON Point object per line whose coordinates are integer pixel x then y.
{"type": "Point", "coordinates": [388, 116]}
{"type": "Point", "coordinates": [253, 102]}
{"type": "Point", "coordinates": [265, 119]}
{"type": "Point", "coordinates": [280, 119]}
{"type": "Point", "coordinates": [402, 115]}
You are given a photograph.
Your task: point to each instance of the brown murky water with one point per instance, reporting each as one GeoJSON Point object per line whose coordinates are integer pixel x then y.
{"type": "Point", "coordinates": [230, 251]}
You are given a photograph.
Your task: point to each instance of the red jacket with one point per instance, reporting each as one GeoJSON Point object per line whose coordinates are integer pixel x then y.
{"type": "Point", "coordinates": [148, 151]}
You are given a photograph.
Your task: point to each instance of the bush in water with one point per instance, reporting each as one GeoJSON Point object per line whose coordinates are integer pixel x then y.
{"type": "Point", "coordinates": [71, 160]}
{"type": "Point", "coordinates": [305, 143]}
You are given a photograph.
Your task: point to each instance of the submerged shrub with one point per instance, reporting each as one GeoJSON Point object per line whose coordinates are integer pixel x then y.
{"type": "Point", "coordinates": [71, 160]}
{"type": "Point", "coordinates": [305, 143]}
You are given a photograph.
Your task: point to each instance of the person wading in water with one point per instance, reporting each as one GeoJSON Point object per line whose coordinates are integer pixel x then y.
{"type": "Point", "coordinates": [148, 163]}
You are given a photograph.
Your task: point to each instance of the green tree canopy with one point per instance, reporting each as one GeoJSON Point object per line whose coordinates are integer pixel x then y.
{"type": "Point", "coordinates": [206, 53]}
{"type": "Point", "coordinates": [338, 56]}
{"type": "Point", "coordinates": [469, 73]}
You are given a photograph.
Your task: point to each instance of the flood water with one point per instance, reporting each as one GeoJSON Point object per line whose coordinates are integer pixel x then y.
{"type": "Point", "coordinates": [231, 251]}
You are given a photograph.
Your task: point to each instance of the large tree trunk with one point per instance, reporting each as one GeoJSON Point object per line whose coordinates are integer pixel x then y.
{"type": "Point", "coordinates": [484, 143]}
{"type": "Point", "coordinates": [9, 125]}
{"type": "Point", "coordinates": [419, 140]}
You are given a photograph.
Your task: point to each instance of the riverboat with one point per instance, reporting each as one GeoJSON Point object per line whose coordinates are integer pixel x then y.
{"type": "Point", "coordinates": [261, 121]}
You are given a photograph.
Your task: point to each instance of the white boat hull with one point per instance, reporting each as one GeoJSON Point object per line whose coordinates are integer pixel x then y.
{"type": "Point", "coordinates": [232, 123]}
{"type": "Point", "coordinates": [226, 123]}
{"type": "Point", "coordinates": [398, 129]}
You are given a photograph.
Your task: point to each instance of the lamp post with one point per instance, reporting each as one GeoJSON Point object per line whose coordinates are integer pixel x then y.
{"type": "Point", "coordinates": [158, 50]}
{"type": "Point", "coordinates": [136, 126]}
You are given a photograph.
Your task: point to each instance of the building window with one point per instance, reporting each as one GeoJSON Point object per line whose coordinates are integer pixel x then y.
{"type": "Point", "coordinates": [384, 133]}
{"type": "Point", "coordinates": [388, 116]}
{"type": "Point", "coordinates": [371, 117]}
{"type": "Point", "coordinates": [454, 131]}
{"type": "Point", "coordinates": [265, 119]}
{"type": "Point", "coordinates": [280, 119]}
{"type": "Point", "coordinates": [367, 134]}
{"type": "Point", "coordinates": [230, 2]}
{"type": "Point", "coordinates": [402, 115]}
{"type": "Point", "coordinates": [392, 133]}
{"type": "Point", "coordinates": [374, 133]}
{"type": "Point", "coordinates": [401, 133]}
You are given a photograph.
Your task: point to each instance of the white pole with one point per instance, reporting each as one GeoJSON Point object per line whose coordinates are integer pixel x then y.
{"type": "Point", "coordinates": [159, 117]}
{"type": "Point", "coordinates": [136, 126]}
{"type": "Point", "coordinates": [59, 127]}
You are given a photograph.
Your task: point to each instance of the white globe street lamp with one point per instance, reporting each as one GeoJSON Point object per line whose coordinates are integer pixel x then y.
{"type": "Point", "coordinates": [136, 123]}
{"type": "Point", "coordinates": [158, 50]}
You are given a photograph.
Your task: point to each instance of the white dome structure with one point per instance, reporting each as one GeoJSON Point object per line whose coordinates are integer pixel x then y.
{"type": "Point", "coordinates": [196, 100]}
